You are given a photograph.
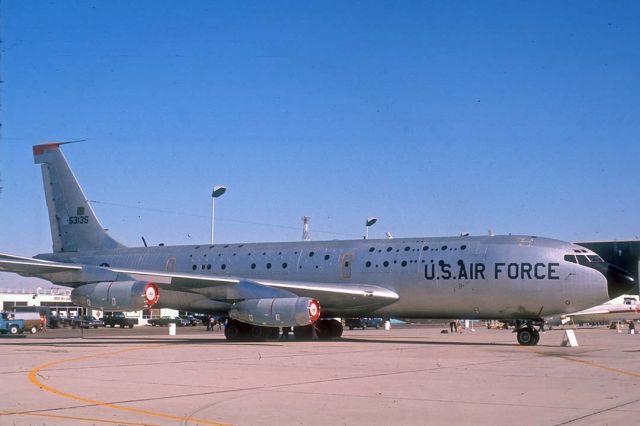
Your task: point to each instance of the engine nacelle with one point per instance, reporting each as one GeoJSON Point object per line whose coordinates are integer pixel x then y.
{"type": "Point", "coordinates": [277, 312]}
{"type": "Point", "coordinates": [117, 295]}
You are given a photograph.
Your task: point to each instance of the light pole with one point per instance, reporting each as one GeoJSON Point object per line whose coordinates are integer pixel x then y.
{"type": "Point", "coordinates": [370, 222]}
{"type": "Point", "coordinates": [218, 190]}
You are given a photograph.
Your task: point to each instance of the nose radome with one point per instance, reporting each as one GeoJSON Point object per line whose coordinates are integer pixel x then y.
{"type": "Point", "coordinates": [619, 281]}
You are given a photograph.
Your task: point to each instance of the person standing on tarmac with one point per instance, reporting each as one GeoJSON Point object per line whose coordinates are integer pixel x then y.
{"type": "Point", "coordinates": [43, 323]}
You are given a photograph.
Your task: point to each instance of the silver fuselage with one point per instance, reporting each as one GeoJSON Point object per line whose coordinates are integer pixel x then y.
{"type": "Point", "coordinates": [492, 277]}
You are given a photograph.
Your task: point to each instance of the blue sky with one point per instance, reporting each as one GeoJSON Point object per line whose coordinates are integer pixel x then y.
{"type": "Point", "coordinates": [436, 117]}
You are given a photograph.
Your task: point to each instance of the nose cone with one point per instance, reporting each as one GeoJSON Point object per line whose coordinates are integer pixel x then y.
{"type": "Point", "coordinates": [619, 281]}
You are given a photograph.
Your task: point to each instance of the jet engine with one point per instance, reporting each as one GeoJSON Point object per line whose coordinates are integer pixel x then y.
{"type": "Point", "coordinates": [277, 312]}
{"type": "Point", "coordinates": [117, 295]}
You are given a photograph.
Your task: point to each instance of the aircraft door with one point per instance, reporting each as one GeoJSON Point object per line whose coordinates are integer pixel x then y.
{"type": "Point", "coordinates": [170, 265]}
{"type": "Point", "coordinates": [346, 262]}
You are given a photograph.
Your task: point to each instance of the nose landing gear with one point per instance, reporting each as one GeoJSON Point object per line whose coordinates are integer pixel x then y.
{"type": "Point", "coordinates": [527, 333]}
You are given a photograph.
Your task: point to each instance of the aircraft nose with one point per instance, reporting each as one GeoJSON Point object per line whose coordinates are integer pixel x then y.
{"type": "Point", "coordinates": [619, 281]}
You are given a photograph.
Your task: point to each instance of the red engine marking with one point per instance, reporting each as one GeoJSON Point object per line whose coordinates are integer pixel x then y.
{"type": "Point", "coordinates": [314, 310]}
{"type": "Point", "coordinates": [151, 294]}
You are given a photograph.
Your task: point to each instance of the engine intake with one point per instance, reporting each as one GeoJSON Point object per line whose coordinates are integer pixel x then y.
{"type": "Point", "coordinates": [117, 295]}
{"type": "Point", "coordinates": [277, 312]}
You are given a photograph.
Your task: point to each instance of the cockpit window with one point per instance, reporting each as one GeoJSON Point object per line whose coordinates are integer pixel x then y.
{"type": "Point", "coordinates": [582, 259]}
{"type": "Point", "coordinates": [595, 258]}
{"type": "Point", "coordinates": [570, 258]}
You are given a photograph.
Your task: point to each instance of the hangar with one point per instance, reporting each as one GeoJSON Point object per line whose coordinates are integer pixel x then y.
{"type": "Point", "coordinates": [625, 254]}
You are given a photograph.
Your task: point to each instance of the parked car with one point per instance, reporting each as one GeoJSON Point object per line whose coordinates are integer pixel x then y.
{"type": "Point", "coordinates": [112, 319]}
{"type": "Point", "coordinates": [363, 323]}
{"type": "Point", "coordinates": [193, 321]}
{"type": "Point", "coordinates": [164, 321]}
{"type": "Point", "coordinates": [87, 321]}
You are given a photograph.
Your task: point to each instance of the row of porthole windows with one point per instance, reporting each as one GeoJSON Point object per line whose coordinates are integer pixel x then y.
{"type": "Point", "coordinates": [386, 263]}
{"type": "Point", "coordinates": [311, 254]}
{"type": "Point", "coordinates": [368, 264]}
{"type": "Point", "coordinates": [424, 248]}
{"type": "Point", "coordinates": [253, 266]}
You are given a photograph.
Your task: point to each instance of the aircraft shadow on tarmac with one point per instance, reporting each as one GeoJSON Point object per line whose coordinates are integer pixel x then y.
{"type": "Point", "coordinates": [415, 342]}
{"type": "Point", "coordinates": [97, 341]}
{"type": "Point", "coordinates": [101, 341]}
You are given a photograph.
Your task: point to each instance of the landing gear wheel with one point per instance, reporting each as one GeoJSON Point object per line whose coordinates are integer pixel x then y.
{"type": "Point", "coordinates": [528, 336]}
{"type": "Point", "coordinates": [328, 329]}
{"type": "Point", "coordinates": [304, 332]}
{"type": "Point", "coordinates": [536, 337]}
{"type": "Point", "coordinates": [257, 332]}
{"type": "Point", "coordinates": [231, 332]}
{"type": "Point", "coordinates": [273, 333]}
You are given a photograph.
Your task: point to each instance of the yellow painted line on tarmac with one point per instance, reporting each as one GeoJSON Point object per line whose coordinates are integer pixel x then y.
{"type": "Point", "coordinates": [604, 367]}
{"type": "Point", "coordinates": [34, 373]}
{"type": "Point", "coordinates": [634, 374]}
{"type": "Point", "coordinates": [82, 419]}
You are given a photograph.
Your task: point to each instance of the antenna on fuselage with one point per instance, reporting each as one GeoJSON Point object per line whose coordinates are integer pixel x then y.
{"type": "Point", "coordinates": [305, 228]}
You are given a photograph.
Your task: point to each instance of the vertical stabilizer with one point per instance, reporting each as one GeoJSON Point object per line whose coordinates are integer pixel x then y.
{"type": "Point", "coordinates": [74, 225]}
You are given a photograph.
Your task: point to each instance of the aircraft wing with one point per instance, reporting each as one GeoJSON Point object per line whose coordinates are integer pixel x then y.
{"type": "Point", "coordinates": [30, 267]}
{"type": "Point", "coordinates": [591, 312]}
{"type": "Point", "coordinates": [352, 296]}
{"type": "Point", "coordinates": [348, 297]}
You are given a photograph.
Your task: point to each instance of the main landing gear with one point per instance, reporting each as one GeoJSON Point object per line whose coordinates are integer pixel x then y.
{"type": "Point", "coordinates": [236, 330]}
{"type": "Point", "coordinates": [321, 330]}
{"type": "Point", "coordinates": [527, 333]}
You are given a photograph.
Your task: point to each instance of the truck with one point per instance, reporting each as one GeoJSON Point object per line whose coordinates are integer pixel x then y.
{"type": "Point", "coordinates": [10, 325]}
{"type": "Point", "coordinates": [31, 320]}
{"type": "Point", "coordinates": [111, 319]}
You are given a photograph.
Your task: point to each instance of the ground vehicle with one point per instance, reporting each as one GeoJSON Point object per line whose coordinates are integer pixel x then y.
{"type": "Point", "coordinates": [87, 321]}
{"type": "Point", "coordinates": [163, 321]}
{"type": "Point", "coordinates": [193, 320]}
{"type": "Point", "coordinates": [10, 325]}
{"type": "Point", "coordinates": [363, 323]}
{"type": "Point", "coordinates": [111, 319]}
{"type": "Point", "coordinates": [31, 320]}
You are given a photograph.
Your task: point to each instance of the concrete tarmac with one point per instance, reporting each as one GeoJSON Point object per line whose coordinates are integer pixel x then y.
{"type": "Point", "coordinates": [411, 375]}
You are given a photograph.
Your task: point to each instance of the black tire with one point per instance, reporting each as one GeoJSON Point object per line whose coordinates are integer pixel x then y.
{"type": "Point", "coordinates": [536, 337]}
{"type": "Point", "coordinates": [528, 336]}
{"type": "Point", "coordinates": [257, 332]}
{"type": "Point", "coordinates": [231, 332]}
{"type": "Point", "coordinates": [33, 329]}
{"type": "Point", "coordinates": [13, 329]}
{"type": "Point", "coordinates": [304, 332]}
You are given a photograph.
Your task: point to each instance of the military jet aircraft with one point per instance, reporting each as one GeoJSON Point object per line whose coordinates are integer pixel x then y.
{"type": "Point", "coordinates": [622, 308]}
{"type": "Point", "coordinates": [262, 286]}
